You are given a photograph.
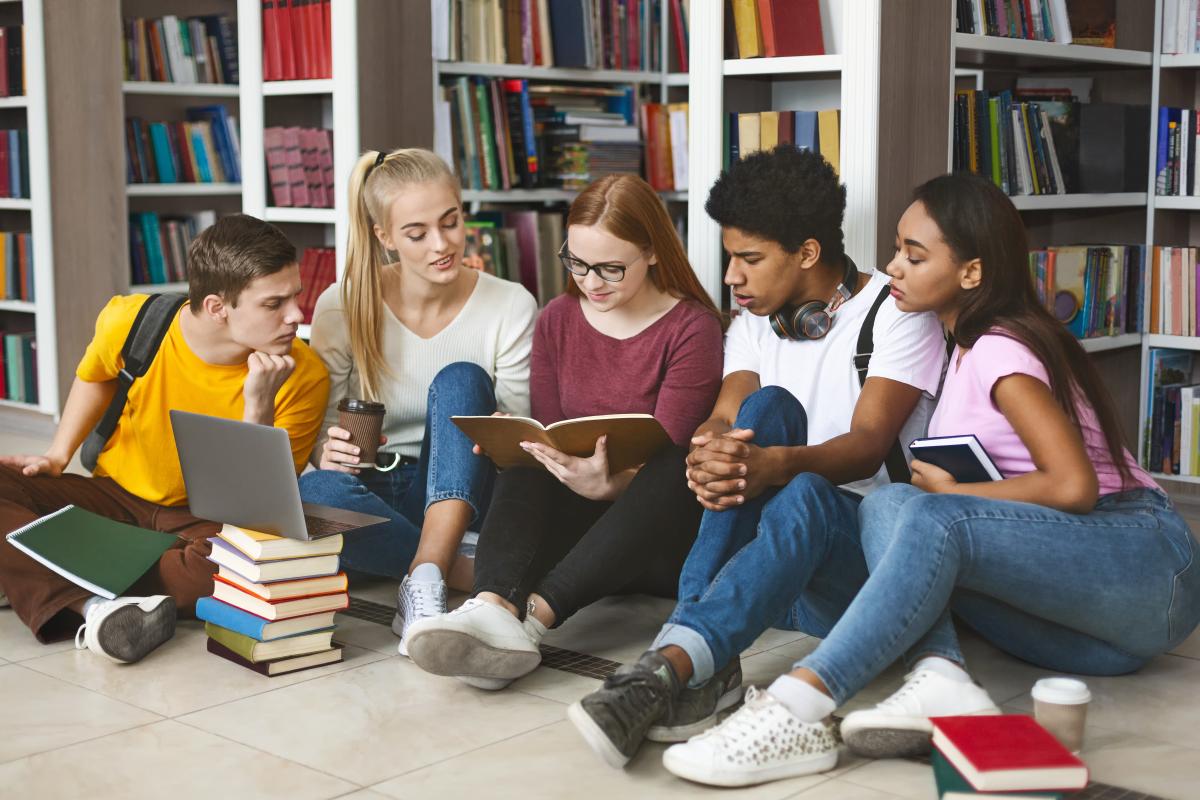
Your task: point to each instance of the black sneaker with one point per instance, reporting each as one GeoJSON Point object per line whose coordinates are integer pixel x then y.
{"type": "Point", "coordinates": [614, 718]}
{"type": "Point", "coordinates": [695, 710]}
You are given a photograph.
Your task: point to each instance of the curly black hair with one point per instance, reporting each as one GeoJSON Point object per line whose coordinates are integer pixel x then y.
{"type": "Point", "coordinates": [785, 195]}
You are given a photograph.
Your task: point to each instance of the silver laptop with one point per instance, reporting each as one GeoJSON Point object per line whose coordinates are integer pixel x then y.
{"type": "Point", "coordinates": [243, 474]}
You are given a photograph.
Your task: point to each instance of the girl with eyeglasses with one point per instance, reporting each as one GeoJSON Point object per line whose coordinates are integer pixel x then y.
{"type": "Point", "coordinates": [410, 327]}
{"type": "Point", "coordinates": [634, 333]}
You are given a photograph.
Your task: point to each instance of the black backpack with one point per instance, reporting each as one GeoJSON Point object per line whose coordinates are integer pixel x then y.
{"type": "Point", "coordinates": [897, 465]}
{"type": "Point", "coordinates": [141, 346]}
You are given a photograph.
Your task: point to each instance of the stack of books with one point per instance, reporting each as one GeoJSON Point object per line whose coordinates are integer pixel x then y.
{"type": "Point", "coordinates": [158, 246]}
{"type": "Point", "coordinates": [296, 40]}
{"type": "Point", "coordinates": [18, 378]}
{"type": "Point", "coordinates": [1174, 290]}
{"type": "Point", "coordinates": [273, 602]}
{"type": "Point", "coordinates": [817, 131]}
{"type": "Point", "coordinates": [300, 166]}
{"type": "Point", "coordinates": [1181, 33]}
{"type": "Point", "coordinates": [1175, 152]}
{"type": "Point", "coordinates": [1095, 290]}
{"type": "Point", "coordinates": [1172, 426]}
{"type": "Point", "coordinates": [14, 163]}
{"type": "Point", "coordinates": [12, 60]}
{"type": "Point", "coordinates": [1011, 754]}
{"type": "Point", "coordinates": [16, 266]}
{"type": "Point", "coordinates": [665, 130]}
{"type": "Point", "coordinates": [519, 246]}
{"type": "Point", "coordinates": [774, 28]}
{"type": "Point", "coordinates": [1040, 20]}
{"type": "Point", "coordinates": [204, 149]}
{"type": "Point", "coordinates": [174, 50]}
{"type": "Point", "coordinates": [318, 269]}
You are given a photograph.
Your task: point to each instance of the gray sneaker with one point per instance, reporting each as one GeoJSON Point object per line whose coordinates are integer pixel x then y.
{"type": "Point", "coordinates": [696, 710]}
{"type": "Point", "coordinates": [614, 719]}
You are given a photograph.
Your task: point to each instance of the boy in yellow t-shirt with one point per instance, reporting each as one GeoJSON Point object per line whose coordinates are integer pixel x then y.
{"type": "Point", "coordinates": [231, 351]}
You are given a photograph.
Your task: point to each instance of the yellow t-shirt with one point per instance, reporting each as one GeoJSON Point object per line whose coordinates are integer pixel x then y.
{"type": "Point", "coordinates": [141, 455]}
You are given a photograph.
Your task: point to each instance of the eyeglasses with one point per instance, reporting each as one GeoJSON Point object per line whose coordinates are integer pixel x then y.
{"type": "Point", "coordinates": [607, 272]}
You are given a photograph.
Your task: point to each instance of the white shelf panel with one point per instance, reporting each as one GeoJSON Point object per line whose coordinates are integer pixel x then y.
{"type": "Point", "coordinates": [315, 216]}
{"type": "Point", "coordinates": [1049, 51]}
{"type": "Point", "coordinates": [679, 79]}
{"type": "Point", "coordinates": [1052, 202]}
{"type": "Point", "coordinates": [540, 196]}
{"type": "Point", "coordinates": [1162, 476]}
{"type": "Point", "coordinates": [1173, 342]}
{"type": "Point", "coordinates": [22, 306]}
{"type": "Point", "coordinates": [1177, 203]}
{"type": "Point", "coordinates": [15, 203]}
{"type": "Point", "coordinates": [158, 288]}
{"type": "Point", "coordinates": [181, 89]}
{"type": "Point", "coordinates": [548, 73]}
{"type": "Point", "coordinates": [17, 101]}
{"type": "Point", "coordinates": [305, 332]}
{"type": "Point", "coordinates": [1181, 61]}
{"type": "Point", "coordinates": [182, 189]}
{"type": "Point", "coordinates": [6, 403]}
{"type": "Point", "coordinates": [276, 88]}
{"type": "Point", "coordinates": [1099, 344]}
{"type": "Point", "coordinates": [786, 65]}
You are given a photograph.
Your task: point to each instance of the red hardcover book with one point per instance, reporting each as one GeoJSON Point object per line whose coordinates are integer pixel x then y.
{"type": "Point", "coordinates": [656, 122]}
{"type": "Point", "coordinates": [504, 154]}
{"type": "Point", "coordinates": [326, 39]}
{"type": "Point", "coordinates": [797, 27]}
{"type": "Point", "coordinates": [787, 127]}
{"type": "Point", "coordinates": [277, 171]}
{"type": "Point", "coordinates": [4, 62]}
{"type": "Point", "coordinates": [680, 38]}
{"type": "Point", "coordinates": [1007, 753]}
{"type": "Point", "coordinates": [235, 595]}
{"type": "Point", "coordinates": [278, 666]}
{"type": "Point", "coordinates": [295, 168]}
{"type": "Point", "coordinates": [313, 178]}
{"type": "Point", "coordinates": [766, 21]}
{"type": "Point", "coordinates": [535, 33]}
{"type": "Point", "coordinates": [285, 27]}
{"type": "Point", "coordinates": [158, 56]}
{"type": "Point", "coordinates": [270, 29]}
{"type": "Point", "coordinates": [325, 159]}
{"type": "Point", "coordinates": [316, 50]}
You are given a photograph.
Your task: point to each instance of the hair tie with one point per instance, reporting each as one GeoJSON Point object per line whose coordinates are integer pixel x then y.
{"type": "Point", "coordinates": [378, 160]}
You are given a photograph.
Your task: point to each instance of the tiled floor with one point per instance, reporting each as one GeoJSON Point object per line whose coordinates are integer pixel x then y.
{"type": "Point", "coordinates": [185, 724]}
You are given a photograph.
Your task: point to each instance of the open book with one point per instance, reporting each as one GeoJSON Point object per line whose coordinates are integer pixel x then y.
{"type": "Point", "coordinates": [632, 438]}
{"type": "Point", "coordinates": [961, 456]}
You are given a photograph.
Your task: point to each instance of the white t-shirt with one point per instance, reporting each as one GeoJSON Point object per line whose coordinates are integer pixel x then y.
{"type": "Point", "coordinates": [494, 329]}
{"type": "Point", "coordinates": [909, 348]}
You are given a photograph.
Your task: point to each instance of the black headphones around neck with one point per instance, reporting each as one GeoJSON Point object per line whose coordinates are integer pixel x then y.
{"type": "Point", "coordinates": [812, 320]}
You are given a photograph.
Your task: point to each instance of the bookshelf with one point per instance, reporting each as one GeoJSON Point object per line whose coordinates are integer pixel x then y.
{"type": "Point", "coordinates": [380, 59]}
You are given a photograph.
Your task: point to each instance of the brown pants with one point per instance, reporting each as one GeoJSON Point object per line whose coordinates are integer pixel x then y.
{"type": "Point", "coordinates": [41, 597]}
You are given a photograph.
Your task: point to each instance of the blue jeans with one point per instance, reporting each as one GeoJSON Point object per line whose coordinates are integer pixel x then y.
{"type": "Point", "coordinates": [446, 469]}
{"type": "Point", "coordinates": [788, 558]}
{"type": "Point", "coordinates": [1098, 594]}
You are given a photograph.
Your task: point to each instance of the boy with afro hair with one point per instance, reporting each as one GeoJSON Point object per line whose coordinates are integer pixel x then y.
{"type": "Point", "coordinates": [795, 440]}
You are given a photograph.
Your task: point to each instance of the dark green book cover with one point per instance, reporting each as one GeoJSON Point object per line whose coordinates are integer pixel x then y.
{"type": "Point", "coordinates": [104, 556]}
{"type": "Point", "coordinates": [949, 779]}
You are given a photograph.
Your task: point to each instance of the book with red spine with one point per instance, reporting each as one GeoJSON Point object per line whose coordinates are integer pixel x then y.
{"type": "Point", "coordinates": [279, 666]}
{"type": "Point", "coordinates": [295, 168]}
{"type": "Point", "coordinates": [1007, 753]}
{"type": "Point", "coordinates": [287, 53]}
{"type": "Point", "coordinates": [796, 26]}
{"type": "Point", "coordinates": [325, 159]}
{"type": "Point", "coordinates": [314, 182]}
{"type": "Point", "coordinates": [681, 48]}
{"type": "Point", "coordinates": [277, 169]}
{"type": "Point", "coordinates": [766, 21]}
{"type": "Point", "coordinates": [235, 595]}
{"type": "Point", "coordinates": [326, 39]}
{"type": "Point", "coordinates": [272, 58]}
{"type": "Point", "coordinates": [656, 125]}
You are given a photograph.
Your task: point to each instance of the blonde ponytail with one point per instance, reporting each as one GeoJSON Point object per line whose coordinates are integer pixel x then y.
{"type": "Point", "coordinates": [374, 183]}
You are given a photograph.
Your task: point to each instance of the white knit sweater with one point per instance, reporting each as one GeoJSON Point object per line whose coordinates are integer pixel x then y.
{"type": "Point", "coordinates": [494, 329]}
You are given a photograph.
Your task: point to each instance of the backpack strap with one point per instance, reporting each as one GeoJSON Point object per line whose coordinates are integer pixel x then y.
{"type": "Point", "coordinates": [896, 464]}
{"type": "Point", "coordinates": [145, 336]}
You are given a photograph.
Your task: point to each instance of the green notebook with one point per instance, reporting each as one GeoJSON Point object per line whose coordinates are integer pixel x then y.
{"type": "Point", "coordinates": [104, 556]}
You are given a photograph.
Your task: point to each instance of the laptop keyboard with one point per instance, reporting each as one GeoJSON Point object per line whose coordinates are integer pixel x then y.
{"type": "Point", "coordinates": [319, 526]}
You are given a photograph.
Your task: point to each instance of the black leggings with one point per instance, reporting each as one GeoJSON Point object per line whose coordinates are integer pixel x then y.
{"type": "Point", "coordinates": [539, 536]}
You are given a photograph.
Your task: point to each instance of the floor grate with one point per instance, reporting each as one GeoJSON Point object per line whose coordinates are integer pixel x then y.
{"type": "Point", "coordinates": [600, 668]}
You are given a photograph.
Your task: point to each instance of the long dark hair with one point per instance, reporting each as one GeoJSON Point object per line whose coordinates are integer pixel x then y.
{"type": "Point", "coordinates": [977, 220]}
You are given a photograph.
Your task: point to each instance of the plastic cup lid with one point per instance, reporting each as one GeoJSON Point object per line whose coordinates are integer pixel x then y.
{"type": "Point", "coordinates": [1062, 691]}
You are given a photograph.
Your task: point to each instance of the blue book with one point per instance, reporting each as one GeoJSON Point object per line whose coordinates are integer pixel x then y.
{"type": "Point", "coordinates": [206, 173]}
{"type": "Point", "coordinates": [218, 117]}
{"type": "Point", "coordinates": [213, 610]}
{"type": "Point", "coordinates": [14, 164]}
{"type": "Point", "coordinates": [163, 161]}
{"type": "Point", "coordinates": [807, 136]}
{"type": "Point", "coordinates": [1160, 159]}
{"type": "Point", "coordinates": [568, 29]}
{"type": "Point", "coordinates": [154, 255]}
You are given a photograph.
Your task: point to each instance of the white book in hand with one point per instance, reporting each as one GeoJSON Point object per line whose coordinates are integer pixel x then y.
{"type": "Point", "coordinates": [961, 456]}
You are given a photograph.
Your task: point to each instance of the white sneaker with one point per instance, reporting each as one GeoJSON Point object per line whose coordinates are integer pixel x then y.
{"type": "Point", "coordinates": [536, 631]}
{"type": "Point", "coordinates": [477, 640]}
{"type": "Point", "coordinates": [899, 726]}
{"type": "Point", "coordinates": [416, 600]}
{"type": "Point", "coordinates": [128, 628]}
{"type": "Point", "coordinates": [762, 741]}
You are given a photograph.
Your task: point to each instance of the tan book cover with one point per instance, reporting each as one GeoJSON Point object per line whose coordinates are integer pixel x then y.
{"type": "Point", "coordinates": [830, 138]}
{"type": "Point", "coordinates": [749, 133]}
{"type": "Point", "coordinates": [768, 130]}
{"type": "Point", "coordinates": [632, 438]}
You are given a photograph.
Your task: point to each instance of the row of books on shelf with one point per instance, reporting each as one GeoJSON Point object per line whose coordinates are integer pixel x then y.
{"type": "Point", "coordinates": [818, 131]}
{"type": "Point", "coordinates": [1174, 285]}
{"type": "Point", "coordinates": [665, 131]}
{"type": "Point", "coordinates": [274, 600]}
{"type": "Point", "coordinates": [296, 40]}
{"type": "Point", "coordinates": [1180, 27]}
{"type": "Point", "coordinates": [1033, 143]}
{"type": "Point", "coordinates": [773, 28]}
{"type": "Point", "coordinates": [18, 375]}
{"type": "Point", "coordinates": [16, 259]}
{"type": "Point", "coordinates": [12, 60]}
{"type": "Point", "coordinates": [1095, 290]}
{"type": "Point", "coordinates": [510, 133]}
{"type": "Point", "coordinates": [300, 166]}
{"type": "Point", "coordinates": [519, 246]}
{"type": "Point", "coordinates": [158, 245]}
{"type": "Point", "coordinates": [14, 163]}
{"type": "Point", "coordinates": [203, 149]}
{"type": "Point", "coordinates": [318, 269]}
{"type": "Point", "coordinates": [1175, 152]}
{"type": "Point", "coordinates": [1172, 426]}
{"type": "Point", "coordinates": [1087, 22]}
{"type": "Point", "coordinates": [588, 34]}
{"type": "Point", "coordinates": [181, 50]}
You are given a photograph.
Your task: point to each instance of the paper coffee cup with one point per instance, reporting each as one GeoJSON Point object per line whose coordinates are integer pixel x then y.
{"type": "Point", "coordinates": [364, 420]}
{"type": "Point", "coordinates": [1060, 706]}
